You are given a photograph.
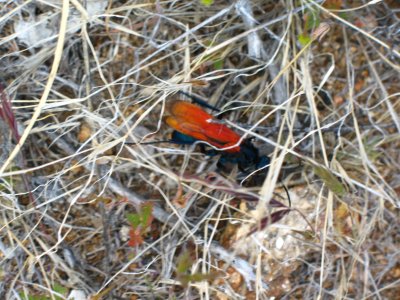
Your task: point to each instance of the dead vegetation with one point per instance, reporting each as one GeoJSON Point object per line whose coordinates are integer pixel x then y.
{"type": "Point", "coordinates": [90, 209]}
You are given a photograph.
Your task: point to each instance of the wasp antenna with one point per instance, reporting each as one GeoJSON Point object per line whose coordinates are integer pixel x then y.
{"type": "Point", "coordinates": [287, 193]}
{"type": "Point", "coordinates": [199, 101]}
{"type": "Point", "coordinates": [149, 143]}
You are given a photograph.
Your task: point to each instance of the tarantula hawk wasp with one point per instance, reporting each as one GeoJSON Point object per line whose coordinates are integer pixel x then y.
{"type": "Point", "coordinates": [191, 123]}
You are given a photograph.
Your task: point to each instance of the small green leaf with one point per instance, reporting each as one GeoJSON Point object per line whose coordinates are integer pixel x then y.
{"type": "Point", "coordinates": [184, 263]}
{"type": "Point", "coordinates": [143, 218]}
{"type": "Point", "coordinates": [330, 180]}
{"type": "Point", "coordinates": [60, 290]}
{"type": "Point", "coordinates": [344, 15]}
{"type": "Point", "coordinates": [134, 219]}
{"type": "Point", "coordinates": [218, 64]}
{"type": "Point", "coordinates": [196, 277]}
{"type": "Point", "coordinates": [312, 20]}
{"type": "Point", "coordinates": [146, 214]}
{"type": "Point", "coordinates": [304, 39]}
{"type": "Point", "coordinates": [207, 2]}
{"type": "Point", "coordinates": [199, 277]}
{"type": "Point", "coordinates": [32, 297]}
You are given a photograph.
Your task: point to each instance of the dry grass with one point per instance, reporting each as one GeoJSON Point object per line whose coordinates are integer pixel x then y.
{"type": "Point", "coordinates": [88, 82]}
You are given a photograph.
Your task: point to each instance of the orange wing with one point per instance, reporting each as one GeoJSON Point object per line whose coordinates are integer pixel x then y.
{"type": "Point", "coordinates": [191, 120]}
